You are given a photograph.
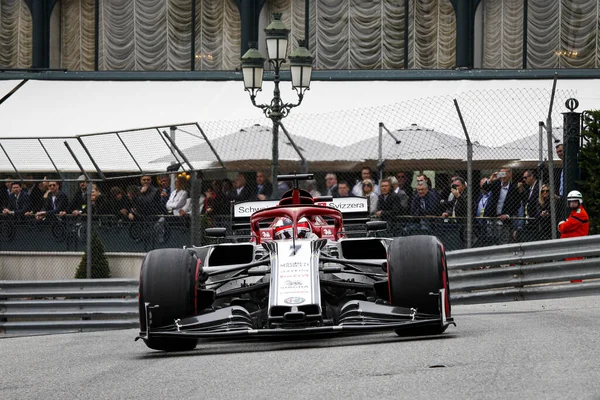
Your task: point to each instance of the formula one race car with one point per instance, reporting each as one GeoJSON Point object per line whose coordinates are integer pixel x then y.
{"type": "Point", "coordinates": [299, 274]}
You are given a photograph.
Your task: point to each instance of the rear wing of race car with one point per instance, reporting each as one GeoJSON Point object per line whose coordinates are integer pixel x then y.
{"type": "Point", "coordinates": [355, 210]}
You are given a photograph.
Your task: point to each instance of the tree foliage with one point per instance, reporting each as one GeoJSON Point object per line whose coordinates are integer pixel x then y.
{"type": "Point", "coordinates": [590, 167]}
{"type": "Point", "coordinates": [100, 268]}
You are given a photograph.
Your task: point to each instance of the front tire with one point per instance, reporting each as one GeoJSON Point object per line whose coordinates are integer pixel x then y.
{"type": "Point", "coordinates": [416, 268]}
{"type": "Point", "coordinates": [168, 280]}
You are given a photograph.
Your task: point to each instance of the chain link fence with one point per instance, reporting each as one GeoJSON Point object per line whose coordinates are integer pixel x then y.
{"type": "Point", "coordinates": [477, 182]}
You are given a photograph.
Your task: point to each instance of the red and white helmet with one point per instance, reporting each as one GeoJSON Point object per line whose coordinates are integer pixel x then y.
{"type": "Point", "coordinates": [284, 228]}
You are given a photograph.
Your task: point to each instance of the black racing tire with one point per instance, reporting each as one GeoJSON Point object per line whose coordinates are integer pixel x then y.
{"type": "Point", "coordinates": [168, 280]}
{"type": "Point", "coordinates": [416, 268]}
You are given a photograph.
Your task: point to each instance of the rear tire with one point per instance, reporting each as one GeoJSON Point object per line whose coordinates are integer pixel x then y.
{"type": "Point", "coordinates": [416, 268]}
{"type": "Point", "coordinates": [168, 279]}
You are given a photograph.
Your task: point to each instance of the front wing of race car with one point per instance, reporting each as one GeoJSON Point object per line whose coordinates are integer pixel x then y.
{"type": "Point", "coordinates": [356, 317]}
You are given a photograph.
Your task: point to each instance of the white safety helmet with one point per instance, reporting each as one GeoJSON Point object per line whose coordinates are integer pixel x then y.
{"type": "Point", "coordinates": [575, 195]}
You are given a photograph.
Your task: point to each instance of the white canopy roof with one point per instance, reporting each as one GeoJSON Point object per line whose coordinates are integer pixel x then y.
{"type": "Point", "coordinates": [69, 108]}
{"type": "Point", "coordinates": [339, 113]}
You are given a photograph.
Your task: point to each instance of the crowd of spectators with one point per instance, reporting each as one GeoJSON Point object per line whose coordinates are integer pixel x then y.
{"type": "Point", "coordinates": [505, 209]}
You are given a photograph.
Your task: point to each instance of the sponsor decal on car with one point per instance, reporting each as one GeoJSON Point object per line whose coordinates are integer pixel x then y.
{"type": "Point", "coordinates": [327, 233]}
{"type": "Point", "coordinates": [293, 274]}
{"type": "Point", "coordinates": [294, 300]}
{"type": "Point", "coordinates": [344, 204]}
{"type": "Point", "coordinates": [347, 204]}
{"type": "Point", "coordinates": [248, 208]}
{"type": "Point", "coordinates": [295, 264]}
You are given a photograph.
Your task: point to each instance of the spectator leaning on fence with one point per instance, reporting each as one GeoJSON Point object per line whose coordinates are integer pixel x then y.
{"type": "Point", "coordinates": [100, 204]}
{"type": "Point", "coordinates": [79, 202]}
{"type": "Point", "coordinates": [222, 190]}
{"type": "Point", "coordinates": [483, 226]}
{"type": "Point", "coordinates": [243, 191]}
{"type": "Point", "coordinates": [365, 173]}
{"type": "Point", "coordinates": [529, 190]}
{"type": "Point", "coordinates": [404, 179]}
{"type": "Point", "coordinates": [404, 201]}
{"type": "Point", "coordinates": [426, 202]}
{"type": "Point", "coordinates": [331, 184]}
{"type": "Point", "coordinates": [57, 202]}
{"type": "Point", "coordinates": [388, 204]}
{"type": "Point", "coordinates": [367, 191]}
{"type": "Point", "coordinates": [457, 207]}
{"type": "Point", "coordinates": [178, 197]}
{"type": "Point", "coordinates": [505, 200]}
{"type": "Point", "coordinates": [435, 192]}
{"type": "Point", "coordinates": [343, 189]}
{"type": "Point", "coordinates": [37, 195]}
{"type": "Point", "coordinates": [5, 193]}
{"type": "Point", "coordinates": [560, 172]}
{"type": "Point", "coordinates": [132, 192]}
{"type": "Point", "coordinates": [544, 222]}
{"type": "Point", "coordinates": [18, 201]}
{"type": "Point", "coordinates": [119, 202]}
{"type": "Point", "coordinates": [148, 200]}
{"type": "Point", "coordinates": [264, 188]}
{"type": "Point", "coordinates": [165, 189]}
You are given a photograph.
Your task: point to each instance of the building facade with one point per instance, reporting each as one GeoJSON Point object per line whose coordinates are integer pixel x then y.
{"type": "Point", "coordinates": [195, 35]}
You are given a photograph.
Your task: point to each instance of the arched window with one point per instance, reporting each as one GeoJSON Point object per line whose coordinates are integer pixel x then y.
{"type": "Point", "coordinates": [76, 34]}
{"type": "Point", "coordinates": [218, 35]}
{"type": "Point", "coordinates": [15, 35]}
{"type": "Point", "coordinates": [358, 34]}
{"type": "Point", "coordinates": [563, 34]}
{"type": "Point", "coordinates": [432, 38]}
{"type": "Point", "coordinates": [551, 34]}
{"type": "Point", "coordinates": [157, 35]}
{"type": "Point", "coordinates": [502, 30]}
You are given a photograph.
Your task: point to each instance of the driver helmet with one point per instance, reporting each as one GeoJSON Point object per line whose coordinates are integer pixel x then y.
{"type": "Point", "coordinates": [575, 195]}
{"type": "Point", "coordinates": [284, 228]}
{"type": "Point", "coordinates": [303, 228]}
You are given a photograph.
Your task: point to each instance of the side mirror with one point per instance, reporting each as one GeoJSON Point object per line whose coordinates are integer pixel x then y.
{"type": "Point", "coordinates": [373, 226]}
{"type": "Point", "coordinates": [215, 232]}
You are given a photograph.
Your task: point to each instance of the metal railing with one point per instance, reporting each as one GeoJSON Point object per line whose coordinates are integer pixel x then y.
{"type": "Point", "coordinates": [39, 307]}
{"type": "Point", "coordinates": [524, 271]}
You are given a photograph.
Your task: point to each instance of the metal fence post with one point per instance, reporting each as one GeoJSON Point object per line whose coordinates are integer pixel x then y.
{"type": "Point", "coordinates": [541, 152]}
{"type": "Point", "coordinates": [571, 133]}
{"type": "Point", "coordinates": [551, 162]}
{"type": "Point", "coordinates": [380, 165]}
{"type": "Point", "coordinates": [88, 232]}
{"type": "Point", "coordinates": [469, 178]}
{"type": "Point", "coordinates": [195, 223]}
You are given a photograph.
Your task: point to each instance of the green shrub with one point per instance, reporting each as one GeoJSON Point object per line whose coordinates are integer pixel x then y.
{"type": "Point", "coordinates": [590, 168]}
{"type": "Point", "coordinates": [100, 268]}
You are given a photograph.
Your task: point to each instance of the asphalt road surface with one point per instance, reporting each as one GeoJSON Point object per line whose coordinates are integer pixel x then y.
{"type": "Point", "coordinates": [546, 349]}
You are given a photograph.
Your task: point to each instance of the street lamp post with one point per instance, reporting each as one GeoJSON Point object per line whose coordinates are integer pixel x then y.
{"type": "Point", "coordinates": [300, 69]}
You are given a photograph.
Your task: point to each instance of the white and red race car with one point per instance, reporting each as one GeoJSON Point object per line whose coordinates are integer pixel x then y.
{"type": "Point", "coordinates": [298, 275]}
